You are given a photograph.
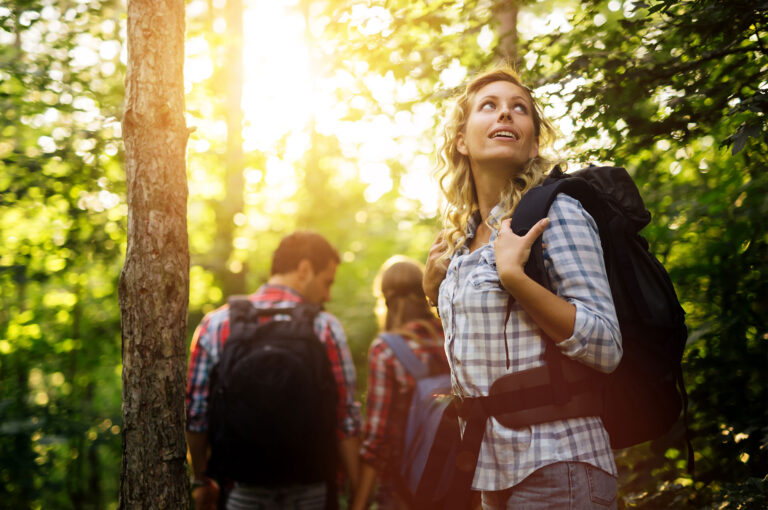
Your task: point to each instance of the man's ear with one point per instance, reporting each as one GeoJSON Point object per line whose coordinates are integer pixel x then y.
{"type": "Point", "coordinates": [461, 145]}
{"type": "Point", "coordinates": [304, 270]}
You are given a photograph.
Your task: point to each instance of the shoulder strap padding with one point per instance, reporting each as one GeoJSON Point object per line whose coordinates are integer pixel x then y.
{"type": "Point", "coordinates": [410, 361]}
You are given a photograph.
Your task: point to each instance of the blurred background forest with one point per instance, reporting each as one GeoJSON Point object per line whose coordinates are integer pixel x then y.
{"type": "Point", "coordinates": [325, 114]}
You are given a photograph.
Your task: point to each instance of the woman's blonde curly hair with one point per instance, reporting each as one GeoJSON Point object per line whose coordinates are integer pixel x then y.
{"type": "Point", "coordinates": [455, 175]}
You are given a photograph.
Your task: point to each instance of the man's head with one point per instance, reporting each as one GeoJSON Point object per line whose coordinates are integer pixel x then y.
{"type": "Point", "coordinates": [306, 262]}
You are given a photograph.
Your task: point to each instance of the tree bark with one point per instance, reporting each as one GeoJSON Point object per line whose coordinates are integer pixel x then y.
{"type": "Point", "coordinates": [507, 18]}
{"type": "Point", "coordinates": [154, 283]}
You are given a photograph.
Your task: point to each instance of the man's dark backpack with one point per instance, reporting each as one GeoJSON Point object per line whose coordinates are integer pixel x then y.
{"type": "Point", "coordinates": [432, 432]}
{"type": "Point", "coordinates": [272, 401]}
{"type": "Point", "coordinates": [643, 397]}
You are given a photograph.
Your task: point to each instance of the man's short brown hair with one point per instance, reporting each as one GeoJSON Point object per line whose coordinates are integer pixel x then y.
{"type": "Point", "coordinates": [302, 245]}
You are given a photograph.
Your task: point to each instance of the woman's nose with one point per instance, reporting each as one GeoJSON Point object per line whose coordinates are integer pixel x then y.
{"type": "Point", "coordinates": [505, 113]}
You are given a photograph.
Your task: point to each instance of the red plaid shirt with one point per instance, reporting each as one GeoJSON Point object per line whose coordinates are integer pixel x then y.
{"type": "Point", "coordinates": [213, 331]}
{"type": "Point", "coordinates": [390, 389]}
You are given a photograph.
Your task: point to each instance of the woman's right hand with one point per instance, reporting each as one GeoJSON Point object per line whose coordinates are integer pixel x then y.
{"type": "Point", "coordinates": [435, 269]}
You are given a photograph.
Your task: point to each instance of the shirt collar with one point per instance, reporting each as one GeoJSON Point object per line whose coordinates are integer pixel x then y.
{"type": "Point", "coordinates": [474, 222]}
{"type": "Point", "coordinates": [282, 289]}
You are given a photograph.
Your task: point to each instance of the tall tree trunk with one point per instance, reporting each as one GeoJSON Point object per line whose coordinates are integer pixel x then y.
{"type": "Point", "coordinates": [154, 284]}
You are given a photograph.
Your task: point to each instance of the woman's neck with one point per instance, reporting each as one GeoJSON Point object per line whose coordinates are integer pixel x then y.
{"type": "Point", "coordinates": [489, 184]}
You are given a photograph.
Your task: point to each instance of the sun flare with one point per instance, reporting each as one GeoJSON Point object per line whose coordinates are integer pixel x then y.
{"type": "Point", "coordinates": [284, 99]}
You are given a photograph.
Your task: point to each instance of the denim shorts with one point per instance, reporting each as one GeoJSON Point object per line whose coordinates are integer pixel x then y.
{"type": "Point", "coordinates": [563, 485]}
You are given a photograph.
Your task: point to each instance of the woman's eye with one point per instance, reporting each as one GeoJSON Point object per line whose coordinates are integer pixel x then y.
{"type": "Point", "coordinates": [520, 107]}
{"type": "Point", "coordinates": [487, 106]}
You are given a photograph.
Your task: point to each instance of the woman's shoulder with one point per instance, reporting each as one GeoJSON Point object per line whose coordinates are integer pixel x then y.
{"type": "Point", "coordinates": [379, 343]}
{"type": "Point", "coordinates": [569, 211]}
{"type": "Point", "coordinates": [566, 203]}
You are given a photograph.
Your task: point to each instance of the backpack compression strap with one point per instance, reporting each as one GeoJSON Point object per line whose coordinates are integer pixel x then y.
{"type": "Point", "coordinates": [405, 355]}
{"type": "Point", "coordinates": [242, 309]}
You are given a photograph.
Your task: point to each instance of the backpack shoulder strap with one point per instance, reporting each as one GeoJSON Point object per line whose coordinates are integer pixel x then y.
{"type": "Point", "coordinates": [242, 318]}
{"type": "Point", "coordinates": [535, 205]}
{"type": "Point", "coordinates": [303, 312]}
{"type": "Point", "coordinates": [405, 355]}
{"type": "Point", "coordinates": [240, 307]}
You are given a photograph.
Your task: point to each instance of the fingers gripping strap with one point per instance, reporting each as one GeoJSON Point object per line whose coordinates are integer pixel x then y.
{"type": "Point", "coordinates": [405, 355]}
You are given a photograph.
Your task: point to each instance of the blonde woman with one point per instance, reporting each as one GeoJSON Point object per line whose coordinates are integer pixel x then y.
{"type": "Point", "coordinates": [405, 311]}
{"type": "Point", "coordinates": [491, 156]}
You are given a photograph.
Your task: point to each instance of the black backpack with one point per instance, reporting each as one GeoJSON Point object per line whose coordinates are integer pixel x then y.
{"type": "Point", "coordinates": [644, 396]}
{"type": "Point", "coordinates": [272, 401]}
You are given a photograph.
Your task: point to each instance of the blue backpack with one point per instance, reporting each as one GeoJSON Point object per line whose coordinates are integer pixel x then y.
{"type": "Point", "coordinates": [432, 432]}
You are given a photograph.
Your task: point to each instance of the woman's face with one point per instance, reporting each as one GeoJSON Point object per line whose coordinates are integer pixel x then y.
{"type": "Point", "coordinates": [499, 128]}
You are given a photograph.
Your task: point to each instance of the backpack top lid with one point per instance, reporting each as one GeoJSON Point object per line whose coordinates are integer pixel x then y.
{"type": "Point", "coordinates": [243, 310]}
{"type": "Point", "coordinates": [605, 191]}
{"type": "Point", "coordinates": [614, 185]}
{"type": "Point", "coordinates": [245, 317]}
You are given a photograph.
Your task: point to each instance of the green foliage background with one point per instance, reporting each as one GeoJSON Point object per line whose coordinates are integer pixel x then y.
{"type": "Point", "coordinates": [676, 91]}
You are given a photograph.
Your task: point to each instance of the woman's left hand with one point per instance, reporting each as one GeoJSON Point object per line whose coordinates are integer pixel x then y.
{"type": "Point", "coordinates": [512, 252]}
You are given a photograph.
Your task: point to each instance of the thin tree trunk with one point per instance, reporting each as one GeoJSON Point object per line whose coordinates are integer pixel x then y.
{"type": "Point", "coordinates": [154, 284]}
{"type": "Point", "coordinates": [234, 282]}
{"type": "Point", "coordinates": [508, 34]}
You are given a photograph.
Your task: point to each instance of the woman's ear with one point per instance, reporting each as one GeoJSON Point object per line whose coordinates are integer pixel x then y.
{"type": "Point", "coordinates": [461, 145]}
{"type": "Point", "coordinates": [534, 150]}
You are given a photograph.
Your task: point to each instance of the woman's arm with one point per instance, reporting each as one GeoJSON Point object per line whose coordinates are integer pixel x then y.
{"type": "Point", "coordinates": [376, 438]}
{"type": "Point", "coordinates": [580, 314]}
{"type": "Point", "coordinates": [368, 476]}
{"type": "Point", "coordinates": [553, 314]}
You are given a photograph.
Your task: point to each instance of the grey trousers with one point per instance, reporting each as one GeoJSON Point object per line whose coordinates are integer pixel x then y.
{"type": "Point", "coordinates": [560, 486]}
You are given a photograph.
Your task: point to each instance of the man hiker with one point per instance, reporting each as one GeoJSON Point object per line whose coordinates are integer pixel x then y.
{"type": "Point", "coordinates": [303, 270]}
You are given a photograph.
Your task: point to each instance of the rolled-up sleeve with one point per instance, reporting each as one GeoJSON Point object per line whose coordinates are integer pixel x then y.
{"type": "Point", "coordinates": [200, 363]}
{"type": "Point", "coordinates": [573, 256]}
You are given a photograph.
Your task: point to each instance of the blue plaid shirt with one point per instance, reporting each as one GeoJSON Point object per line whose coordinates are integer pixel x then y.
{"type": "Point", "coordinates": [473, 305]}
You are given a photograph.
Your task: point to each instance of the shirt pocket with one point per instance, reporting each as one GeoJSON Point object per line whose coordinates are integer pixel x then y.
{"type": "Point", "coordinates": [484, 274]}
